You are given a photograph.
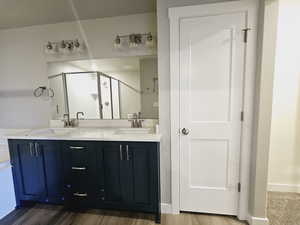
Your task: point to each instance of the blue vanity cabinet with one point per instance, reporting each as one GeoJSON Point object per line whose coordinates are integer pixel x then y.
{"type": "Point", "coordinates": [28, 171]}
{"type": "Point", "coordinates": [88, 174]}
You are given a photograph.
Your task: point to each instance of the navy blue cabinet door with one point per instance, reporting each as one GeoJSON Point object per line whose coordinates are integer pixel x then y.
{"type": "Point", "coordinates": [144, 167]}
{"type": "Point", "coordinates": [53, 170]}
{"type": "Point", "coordinates": [111, 158]}
{"type": "Point", "coordinates": [141, 170]}
{"type": "Point", "coordinates": [28, 170]}
{"type": "Point", "coordinates": [130, 174]}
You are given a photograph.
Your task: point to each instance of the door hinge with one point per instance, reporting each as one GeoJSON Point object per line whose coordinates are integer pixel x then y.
{"type": "Point", "coordinates": [246, 34]}
{"type": "Point", "coordinates": [242, 116]}
{"type": "Point", "coordinates": [239, 187]}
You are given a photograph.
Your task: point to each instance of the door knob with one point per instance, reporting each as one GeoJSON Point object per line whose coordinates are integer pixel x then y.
{"type": "Point", "coordinates": [185, 131]}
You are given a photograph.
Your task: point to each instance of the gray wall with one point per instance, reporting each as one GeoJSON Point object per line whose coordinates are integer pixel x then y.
{"type": "Point", "coordinates": [149, 88]}
{"type": "Point", "coordinates": [163, 30]}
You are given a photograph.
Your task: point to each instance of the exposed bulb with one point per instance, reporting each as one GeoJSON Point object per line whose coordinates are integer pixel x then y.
{"type": "Point", "coordinates": [132, 41]}
{"type": "Point", "coordinates": [50, 48]}
{"type": "Point", "coordinates": [149, 40]}
{"type": "Point", "coordinates": [117, 43]}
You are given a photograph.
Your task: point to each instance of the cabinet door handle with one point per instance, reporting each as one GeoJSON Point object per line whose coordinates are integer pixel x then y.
{"type": "Point", "coordinates": [78, 168]}
{"type": "Point", "coordinates": [127, 152]}
{"type": "Point", "coordinates": [76, 148]}
{"type": "Point", "coordinates": [31, 148]}
{"type": "Point", "coordinates": [121, 155]}
{"type": "Point", "coordinates": [36, 148]}
{"type": "Point", "coordinates": [80, 194]}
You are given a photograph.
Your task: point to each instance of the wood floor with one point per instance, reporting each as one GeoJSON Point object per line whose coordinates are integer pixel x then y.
{"type": "Point", "coordinates": [56, 215]}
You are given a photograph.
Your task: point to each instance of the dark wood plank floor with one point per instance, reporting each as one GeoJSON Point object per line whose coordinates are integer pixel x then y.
{"type": "Point", "coordinates": [56, 215]}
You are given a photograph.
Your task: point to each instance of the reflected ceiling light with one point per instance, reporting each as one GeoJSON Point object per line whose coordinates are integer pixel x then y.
{"type": "Point", "coordinates": [117, 43]}
{"type": "Point", "coordinates": [149, 40]}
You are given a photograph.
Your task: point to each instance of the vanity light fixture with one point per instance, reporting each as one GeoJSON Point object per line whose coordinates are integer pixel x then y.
{"type": "Point", "coordinates": [134, 41]}
{"type": "Point", "coordinates": [64, 47]}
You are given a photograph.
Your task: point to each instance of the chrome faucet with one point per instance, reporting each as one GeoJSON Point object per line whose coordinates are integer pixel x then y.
{"type": "Point", "coordinates": [75, 122]}
{"type": "Point", "coordinates": [79, 113]}
{"type": "Point", "coordinates": [136, 122]}
{"type": "Point", "coordinates": [66, 120]}
{"type": "Point", "coordinates": [139, 120]}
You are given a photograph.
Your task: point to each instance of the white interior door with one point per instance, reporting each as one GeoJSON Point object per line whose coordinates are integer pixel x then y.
{"type": "Point", "coordinates": [211, 89]}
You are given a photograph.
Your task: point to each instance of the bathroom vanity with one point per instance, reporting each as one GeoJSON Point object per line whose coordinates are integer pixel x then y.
{"type": "Point", "coordinates": [87, 169]}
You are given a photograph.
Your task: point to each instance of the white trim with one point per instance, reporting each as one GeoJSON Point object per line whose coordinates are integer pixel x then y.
{"type": "Point", "coordinates": [295, 188]}
{"type": "Point", "coordinates": [166, 208]}
{"type": "Point", "coordinates": [258, 221]}
{"type": "Point", "coordinates": [175, 14]}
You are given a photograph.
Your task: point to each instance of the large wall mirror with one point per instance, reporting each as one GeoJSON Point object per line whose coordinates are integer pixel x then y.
{"type": "Point", "coordinates": [113, 88]}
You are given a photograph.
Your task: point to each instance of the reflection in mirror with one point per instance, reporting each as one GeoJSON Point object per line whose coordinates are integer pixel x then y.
{"type": "Point", "coordinates": [105, 88]}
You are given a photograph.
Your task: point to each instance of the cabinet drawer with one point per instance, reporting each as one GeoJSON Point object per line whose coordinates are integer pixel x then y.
{"type": "Point", "coordinates": [78, 199]}
{"type": "Point", "coordinates": [78, 153]}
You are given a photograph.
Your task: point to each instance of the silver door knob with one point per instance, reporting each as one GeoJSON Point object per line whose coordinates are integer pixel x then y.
{"type": "Point", "coordinates": [185, 131]}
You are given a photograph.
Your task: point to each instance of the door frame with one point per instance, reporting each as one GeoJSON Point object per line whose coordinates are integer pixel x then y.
{"type": "Point", "coordinates": [175, 15]}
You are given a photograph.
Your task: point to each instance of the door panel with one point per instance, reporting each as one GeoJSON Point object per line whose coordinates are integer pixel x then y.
{"type": "Point", "coordinates": [31, 171]}
{"type": "Point", "coordinates": [53, 170]}
{"type": "Point", "coordinates": [112, 172]}
{"type": "Point", "coordinates": [211, 87]}
{"type": "Point", "coordinates": [141, 173]}
{"type": "Point", "coordinates": [211, 84]}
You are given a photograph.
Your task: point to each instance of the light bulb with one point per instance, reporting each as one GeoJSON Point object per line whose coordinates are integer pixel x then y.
{"type": "Point", "coordinates": [49, 48]}
{"type": "Point", "coordinates": [117, 42]}
{"type": "Point", "coordinates": [149, 40]}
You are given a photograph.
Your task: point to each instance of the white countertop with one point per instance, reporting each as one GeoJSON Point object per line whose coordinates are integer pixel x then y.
{"type": "Point", "coordinates": [4, 156]}
{"type": "Point", "coordinates": [86, 134]}
{"type": "Point", "coordinates": [4, 153]}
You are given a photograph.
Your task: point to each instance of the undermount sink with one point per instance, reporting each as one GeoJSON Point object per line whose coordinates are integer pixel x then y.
{"type": "Point", "coordinates": [51, 131]}
{"type": "Point", "coordinates": [133, 131]}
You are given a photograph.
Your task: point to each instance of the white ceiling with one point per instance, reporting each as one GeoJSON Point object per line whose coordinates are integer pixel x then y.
{"type": "Point", "coordinates": [16, 13]}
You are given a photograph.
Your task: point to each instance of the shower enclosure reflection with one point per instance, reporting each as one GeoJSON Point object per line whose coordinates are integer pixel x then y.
{"type": "Point", "coordinates": [105, 88]}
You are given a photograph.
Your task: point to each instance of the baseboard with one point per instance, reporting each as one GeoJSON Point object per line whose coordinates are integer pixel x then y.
{"type": "Point", "coordinates": [284, 187]}
{"type": "Point", "coordinates": [258, 221]}
{"type": "Point", "coordinates": [166, 208]}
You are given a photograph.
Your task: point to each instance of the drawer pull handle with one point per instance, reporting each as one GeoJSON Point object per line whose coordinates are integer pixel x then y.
{"type": "Point", "coordinates": [80, 194]}
{"type": "Point", "coordinates": [121, 155]}
{"type": "Point", "coordinates": [76, 148]}
{"type": "Point", "coordinates": [78, 168]}
{"type": "Point", "coordinates": [36, 148]}
{"type": "Point", "coordinates": [127, 152]}
{"type": "Point", "coordinates": [31, 149]}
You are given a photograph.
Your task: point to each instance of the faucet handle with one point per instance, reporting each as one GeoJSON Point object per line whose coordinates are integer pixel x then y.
{"type": "Point", "coordinates": [140, 123]}
{"type": "Point", "coordinates": [79, 113]}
